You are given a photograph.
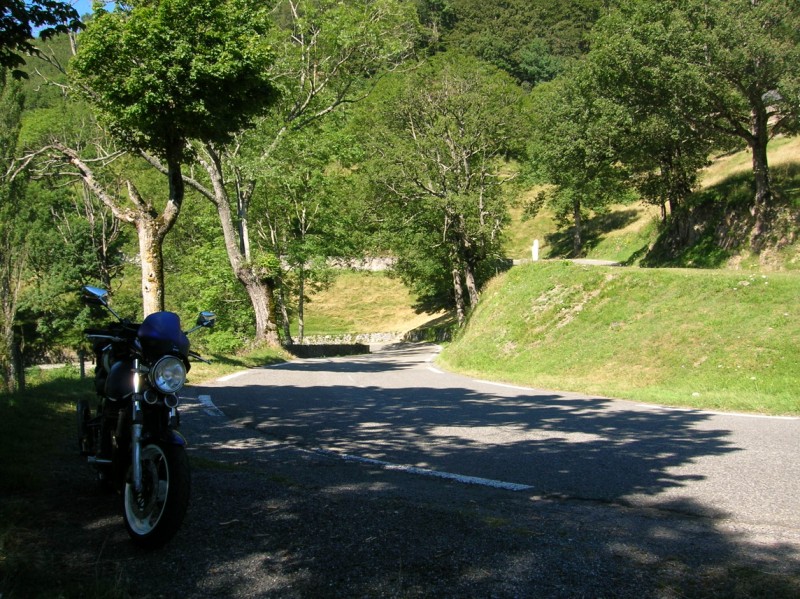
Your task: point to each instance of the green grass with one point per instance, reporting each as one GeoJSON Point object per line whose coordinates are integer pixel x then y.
{"type": "Point", "coordinates": [362, 302]}
{"type": "Point", "coordinates": [37, 426]}
{"type": "Point", "coordinates": [34, 424]}
{"type": "Point", "coordinates": [709, 339]}
{"type": "Point", "coordinates": [226, 364]}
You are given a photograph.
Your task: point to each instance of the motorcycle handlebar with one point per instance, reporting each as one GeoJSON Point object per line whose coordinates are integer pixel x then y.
{"type": "Point", "coordinates": [198, 357]}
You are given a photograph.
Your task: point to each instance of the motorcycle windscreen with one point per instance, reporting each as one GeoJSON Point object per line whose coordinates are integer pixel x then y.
{"type": "Point", "coordinates": [161, 333]}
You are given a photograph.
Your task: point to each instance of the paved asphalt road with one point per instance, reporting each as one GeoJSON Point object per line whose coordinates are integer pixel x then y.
{"type": "Point", "coordinates": [396, 407]}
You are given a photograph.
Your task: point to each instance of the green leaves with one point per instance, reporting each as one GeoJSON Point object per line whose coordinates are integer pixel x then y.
{"type": "Point", "coordinates": [438, 140]}
{"type": "Point", "coordinates": [693, 72]}
{"type": "Point", "coordinates": [18, 18]}
{"type": "Point", "coordinates": [165, 72]}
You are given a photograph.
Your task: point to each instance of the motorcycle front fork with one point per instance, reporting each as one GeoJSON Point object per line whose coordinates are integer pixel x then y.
{"type": "Point", "coordinates": [136, 429]}
{"type": "Point", "coordinates": [138, 425]}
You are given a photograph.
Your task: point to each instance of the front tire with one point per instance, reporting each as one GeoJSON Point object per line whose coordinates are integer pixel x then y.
{"type": "Point", "coordinates": [153, 516]}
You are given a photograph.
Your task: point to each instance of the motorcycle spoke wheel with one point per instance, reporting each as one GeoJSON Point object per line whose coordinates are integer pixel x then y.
{"type": "Point", "coordinates": [154, 515]}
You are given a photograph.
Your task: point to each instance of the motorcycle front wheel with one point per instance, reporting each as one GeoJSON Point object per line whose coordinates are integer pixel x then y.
{"type": "Point", "coordinates": [153, 516]}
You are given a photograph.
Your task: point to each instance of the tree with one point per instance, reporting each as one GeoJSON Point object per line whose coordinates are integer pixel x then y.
{"type": "Point", "coordinates": [662, 150]}
{"type": "Point", "coordinates": [56, 235]}
{"type": "Point", "coordinates": [573, 148]}
{"type": "Point", "coordinates": [438, 145]}
{"type": "Point", "coordinates": [532, 40]}
{"type": "Point", "coordinates": [305, 211]}
{"type": "Point", "coordinates": [326, 53]}
{"type": "Point", "coordinates": [18, 18]}
{"type": "Point", "coordinates": [161, 73]}
{"type": "Point", "coordinates": [13, 245]}
{"type": "Point", "coordinates": [725, 67]}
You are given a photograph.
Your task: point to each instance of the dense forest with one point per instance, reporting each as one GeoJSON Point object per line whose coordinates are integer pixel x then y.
{"type": "Point", "coordinates": [214, 154]}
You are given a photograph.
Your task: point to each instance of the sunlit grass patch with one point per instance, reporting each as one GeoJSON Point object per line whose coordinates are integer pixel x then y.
{"type": "Point", "coordinates": [711, 339]}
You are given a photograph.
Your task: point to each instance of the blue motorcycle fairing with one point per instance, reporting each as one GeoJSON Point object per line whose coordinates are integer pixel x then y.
{"type": "Point", "coordinates": [160, 333]}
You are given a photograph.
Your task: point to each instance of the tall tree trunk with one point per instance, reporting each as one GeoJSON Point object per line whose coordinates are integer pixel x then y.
{"type": "Point", "coordinates": [577, 234]}
{"type": "Point", "coordinates": [260, 290]}
{"type": "Point", "coordinates": [301, 305]}
{"type": "Point", "coordinates": [12, 360]}
{"type": "Point", "coordinates": [763, 200]}
{"type": "Point", "coordinates": [150, 253]}
{"type": "Point", "coordinates": [12, 264]}
{"type": "Point", "coordinates": [152, 229]}
{"type": "Point", "coordinates": [17, 363]}
{"type": "Point", "coordinates": [285, 321]}
{"type": "Point", "coordinates": [472, 288]}
{"type": "Point", "coordinates": [151, 226]}
{"type": "Point", "coordinates": [8, 374]}
{"type": "Point", "coordinates": [243, 202]}
{"type": "Point", "coordinates": [458, 293]}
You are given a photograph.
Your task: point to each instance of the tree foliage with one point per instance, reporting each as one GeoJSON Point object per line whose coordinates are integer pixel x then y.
{"type": "Point", "coordinates": [18, 19]}
{"type": "Point", "coordinates": [438, 147]}
{"type": "Point", "coordinates": [305, 210]}
{"type": "Point", "coordinates": [707, 67]}
{"type": "Point", "coordinates": [326, 54]}
{"type": "Point", "coordinates": [162, 72]}
{"type": "Point", "coordinates": [573, 148]}
{"type": "Point", "coordinates": [532, 40]}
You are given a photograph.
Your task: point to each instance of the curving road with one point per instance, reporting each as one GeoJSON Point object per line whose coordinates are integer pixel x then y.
{"type": "Point", "coordinates": [395, 409]}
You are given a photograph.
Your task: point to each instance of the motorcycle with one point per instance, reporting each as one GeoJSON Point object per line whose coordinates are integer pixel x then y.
{"type": "Point", "coordinates": [132, 439]}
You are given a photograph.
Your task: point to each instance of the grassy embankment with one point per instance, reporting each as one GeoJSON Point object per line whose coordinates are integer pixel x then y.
{"type": "Point", "coordinates": [710, 339]}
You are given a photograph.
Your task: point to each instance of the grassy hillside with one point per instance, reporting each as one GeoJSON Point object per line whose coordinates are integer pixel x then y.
{"type": "Point", "coordinates": [628, 233]}
{"type": "Point", "coordinates": [362, 302]}
{"type": "Point", "coordinates": [714, 339]}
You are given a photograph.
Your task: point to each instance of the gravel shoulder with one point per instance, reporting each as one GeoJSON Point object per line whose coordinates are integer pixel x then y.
{"type": "Point", "coordinates": [268, 519]}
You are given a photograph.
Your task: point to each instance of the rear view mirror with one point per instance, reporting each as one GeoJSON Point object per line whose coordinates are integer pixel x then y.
{"type": "Point", "coordinates": [206, 319]}
{"type": "Point", "coordinates": [95, 295]}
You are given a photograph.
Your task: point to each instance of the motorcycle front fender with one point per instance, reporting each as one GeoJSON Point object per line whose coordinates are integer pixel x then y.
{"type": "Point", "coordinates": [175, 438]}
{"type": "Point", "coordinates": [170, 437]}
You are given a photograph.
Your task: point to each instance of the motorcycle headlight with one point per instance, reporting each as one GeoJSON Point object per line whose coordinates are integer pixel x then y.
{"type": "Point", "coordinates": [168, 374]}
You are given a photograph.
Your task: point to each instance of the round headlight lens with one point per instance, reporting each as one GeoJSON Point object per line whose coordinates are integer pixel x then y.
{"type": "Point", "coordinates": [168, 374]}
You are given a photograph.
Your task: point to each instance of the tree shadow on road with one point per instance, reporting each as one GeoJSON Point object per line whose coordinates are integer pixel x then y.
{"type": "Point", "coordinates": [271, 518]}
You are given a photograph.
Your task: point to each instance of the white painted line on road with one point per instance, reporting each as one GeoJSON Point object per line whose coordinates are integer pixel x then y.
{"type": "Point", "coordinates": [504, 385]}
{"type": "Point", "coordinates": [470, 480]}
{"type": "Point", "coordinates": [432, 357]}
{"type": "Point", "coordinates": [210, 408]}
{"type": "Point", "coordinates": [231, 376]}
{"type": "Point", "coordinates": [436, 370]}
{"type": "Point", "coordinates": [655, 407]}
